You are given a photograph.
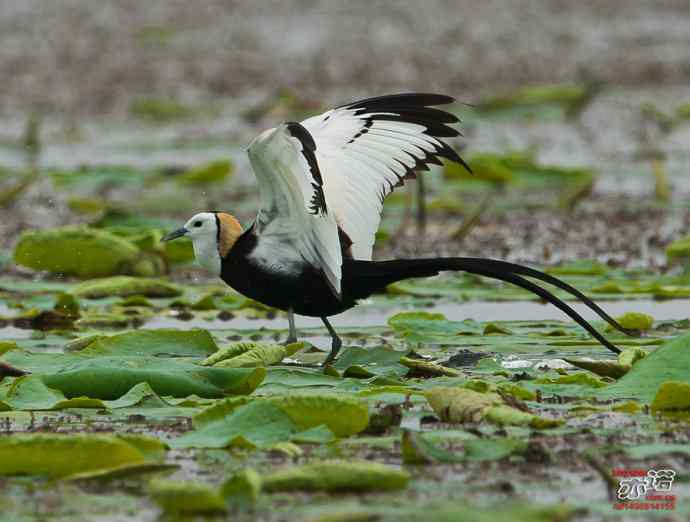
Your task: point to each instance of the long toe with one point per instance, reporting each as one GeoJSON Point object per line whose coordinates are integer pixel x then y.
{"type": "Point", "coordinates": [335, 348]}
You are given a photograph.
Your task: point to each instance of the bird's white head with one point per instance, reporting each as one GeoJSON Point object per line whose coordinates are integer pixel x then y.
{"type": "Point", "coordinates": [213, 234]}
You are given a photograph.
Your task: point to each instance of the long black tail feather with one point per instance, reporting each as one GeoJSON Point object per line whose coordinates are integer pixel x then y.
{"type": "Point", "coordinates": [504, 266]}
{"type": "Point", "coordinates": [365, 277]}
{"type": "Point", "coordinates": [548, 296]}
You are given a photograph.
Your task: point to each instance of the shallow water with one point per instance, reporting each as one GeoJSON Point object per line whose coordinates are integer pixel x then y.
{"type": "Point", "coordinates": [369, 314]}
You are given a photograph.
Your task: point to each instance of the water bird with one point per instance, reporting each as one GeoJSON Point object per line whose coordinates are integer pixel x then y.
{"type": "Point", "coordinates": [322, 182]}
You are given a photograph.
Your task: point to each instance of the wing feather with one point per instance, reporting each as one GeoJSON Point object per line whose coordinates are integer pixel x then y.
{"type": "Point", "coordinates": [367, 148]}
{"type": "Point", "coordinates": [329, 175]}
{"type": "Point", "coordinates": [294, 207]}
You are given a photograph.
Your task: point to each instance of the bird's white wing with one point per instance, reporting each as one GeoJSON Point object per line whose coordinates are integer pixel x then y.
{"type": "Point", "coordinates": [367, 148]}
{"type": "Point", "coordinates": [294, 219]}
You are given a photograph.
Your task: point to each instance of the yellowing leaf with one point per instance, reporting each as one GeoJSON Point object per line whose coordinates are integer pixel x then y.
{"type": "Point", "coordinates": [612, 369]}
{"type": "Point", "coordinates": [227, 352]}
{"type": "Point", "coordinates": [461, 404]}
{"type": "Point", "coordinates": [636, 321]}
{"type": "Point", "coordinates": [260, 355]}
{"type": "Point", "coordinates": [672, 396]}
{"type": "Point", "coordinates": [421, 368]}
{"type": "Point", "coordinates": [464, 405]}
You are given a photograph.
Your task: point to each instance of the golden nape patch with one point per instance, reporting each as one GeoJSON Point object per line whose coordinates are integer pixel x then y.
{"type": "Point", "coordinates": [230, 230]}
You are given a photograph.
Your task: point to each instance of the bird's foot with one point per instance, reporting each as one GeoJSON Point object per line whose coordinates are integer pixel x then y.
{"type": "Point", "coordinates": [335, 348]}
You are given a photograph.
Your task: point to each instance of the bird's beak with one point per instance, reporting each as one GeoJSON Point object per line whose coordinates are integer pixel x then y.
{"type": "Point", "coordinates": [180, 232]}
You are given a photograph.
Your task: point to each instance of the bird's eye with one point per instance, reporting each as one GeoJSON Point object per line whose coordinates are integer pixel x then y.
{"type": "Point", "coordinates": [197, 224]}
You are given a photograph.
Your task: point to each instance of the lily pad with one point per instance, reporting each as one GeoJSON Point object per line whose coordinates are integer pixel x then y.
{"type": "Point", "coordinates": [214, 172]}
{"type": "Point", "coordinates": [124, 286]}
{"type": "Point", "coordinates": [672, 396]}
{"type": "Point", "coordinates": [669, 362]}
{"type": "Point", "coordinates": [251, 355]}
{"type": "Point", "coordinates": [175, 496]}
{"type": "Point", "coordinates": [77, 251]}
{"type": "Point", "coordinates": [337, 476]}
{"type": "Point", "coordinates": [154, 343]}
{"type": "Point", "coordinates": [460, 405]}
{"type": "Point", "coordinates": [57, 455]}
{"type": "Point", "coordinates": [636, 321]}
{"type": "Point", "coordinates": [263, 422]}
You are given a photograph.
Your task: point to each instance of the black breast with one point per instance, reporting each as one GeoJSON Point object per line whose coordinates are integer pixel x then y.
{"type": "Point", "coordinates": [305, 291]}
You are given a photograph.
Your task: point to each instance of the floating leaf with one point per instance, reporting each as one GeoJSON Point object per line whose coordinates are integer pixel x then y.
{"type": "Point", "coordinates": [336, 476]}
{"type": "Point", "coordinates": [464, 405]}
{"type": "Point", "coordinates": [679, 248]}
{"type": "Point", "coordinates": [111, 377]}
{"type": "Point", "coordinates": [636, 321]}
{"type": "Point", "coordinates": [568, 95]}
{"type": "Point", "coordinates": [125, 471]}
{"type": "Point", "coordinates": [344, 416]}
{"type": "Point", "coordinates": [58, 455]}
{"type": "Point", "coordinates": [416, 325]}
{"type": "Point", "coordinates": [176, 496]}
{"type": "Point", "coordinates": [258, 424]}
{"type": "Point", "coordinates": [669, 362]}
{"type": "Point", "coordinates": [645, 451]}
{"type": "Point", "coordinates": [493, 328]}
{"type": "Point", "coordinates": [160, 110]}
{"type": "Point", "coordinates": [262, 422]}
{"type": "Point", "coordinates": [421, 368]}
{"type": "Point", "coordinates": [493, 449]}
{"type": "Point", "coordinates": [6, 346]}
{"type": "Point", "coordinates": [363, 363]}
{"type": "Point", "coordinates": [417, 450]}
{"type": "Point", "coordinates": [124, 286]}
{"type": "Point", "coordinates": [77, 251]}
{"type": "Point", "coordinates": [156, 343]}
{"type": "Point", "coordinates": [672, 396]}
{"type": "Point", "coordinates": [580, 378]}
{"type": "Point", "coordinates": [227, 352]}
{"type": "Point", "coordinates": [252, 355]}
{"type": "Point", "coordinates": [67, 305]}
{"type": "Point", "coordinates": [243, 488]}
{"type": "Point", "coordinates": [581, 267]}
{"type": "Point", "coordinates": [604, 368]}
{"type": "Point", "coordinates": [104, 321]}
{"type": "Point", "coordinates": [630, 356]}
{"type": "Point", "coordinates": [212, 173]}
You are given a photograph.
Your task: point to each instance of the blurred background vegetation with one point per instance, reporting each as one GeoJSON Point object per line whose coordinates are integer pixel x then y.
{"type": "Point", "coordinates": [123, 118]}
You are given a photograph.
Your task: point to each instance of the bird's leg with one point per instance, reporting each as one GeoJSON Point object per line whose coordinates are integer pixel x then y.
{"type": "Point", "coordinates": [335, 344]}
{"type": "Point", "coordinates": [292, 336]}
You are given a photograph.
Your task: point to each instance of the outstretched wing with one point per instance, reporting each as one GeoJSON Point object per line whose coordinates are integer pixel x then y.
{"type": "Point", "coordinates": [367, 148]}
{"type": "Point", "coordinates": [294, 209]}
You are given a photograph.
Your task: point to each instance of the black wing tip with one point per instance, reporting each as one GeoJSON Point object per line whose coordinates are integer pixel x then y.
{"type": "Point", "coordinates": [298, 131]}
{"type": "Point", "coordinates": [318, 201]}
{"type": "Point", "coordinates": [408, 99]}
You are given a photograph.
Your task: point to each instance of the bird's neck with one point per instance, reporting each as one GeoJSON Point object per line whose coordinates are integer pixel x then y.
{"type": "Point", "coordinates": [207, 255]}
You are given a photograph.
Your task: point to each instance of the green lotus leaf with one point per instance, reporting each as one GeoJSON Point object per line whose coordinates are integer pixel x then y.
{"type": "Point", "coordinates": [178, 496]}
{"type": "Point", "coordinates": [335, 476]}
{"type": "Point", "coordinates": [58, 455]}
{"type": "Point", "coordinates": [125, 286]}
